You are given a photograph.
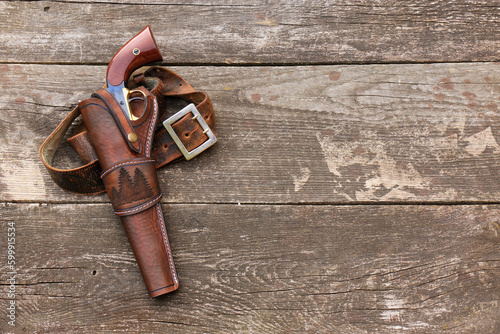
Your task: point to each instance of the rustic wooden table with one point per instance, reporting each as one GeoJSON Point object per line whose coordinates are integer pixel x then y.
{"type": "Point", "coordinates": [354, 189]}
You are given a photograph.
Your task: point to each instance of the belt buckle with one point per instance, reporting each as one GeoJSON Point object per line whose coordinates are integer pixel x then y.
{"type": "Point", "coordinates": [191, 108]}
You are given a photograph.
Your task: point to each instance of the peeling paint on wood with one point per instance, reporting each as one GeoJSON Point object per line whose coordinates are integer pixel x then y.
{"type": "Point", "coordinates": [377, 133]}
{"type": "Point", "coordinates": [279, 248]}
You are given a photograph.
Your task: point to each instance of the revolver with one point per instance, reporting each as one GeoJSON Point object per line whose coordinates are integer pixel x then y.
{"type": "Point", "coordinates": [139, 51]}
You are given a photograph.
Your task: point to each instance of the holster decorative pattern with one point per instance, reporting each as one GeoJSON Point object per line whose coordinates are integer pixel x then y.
{"type": "Point", "coordinates": [132, 185]}
{"type": "Point", "coordinates": [122, 148]}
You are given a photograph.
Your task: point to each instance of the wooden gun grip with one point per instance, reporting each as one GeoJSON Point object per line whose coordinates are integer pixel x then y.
{"type": "Point", "coordinates": [140, 50]}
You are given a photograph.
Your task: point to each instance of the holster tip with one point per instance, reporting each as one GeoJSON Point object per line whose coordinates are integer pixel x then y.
{"type": "Point", "coordinates": [163, 290]}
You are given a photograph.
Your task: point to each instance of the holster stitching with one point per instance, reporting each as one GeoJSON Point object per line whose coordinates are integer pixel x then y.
{"type": "Point", "coordinates": [126, 163]}
{"type": "Point", "coordinates": [151, 127]}
{"type": "Point", "coordinates": [166, 243]}
{"type": "Point", "coordinates": [138, 208]}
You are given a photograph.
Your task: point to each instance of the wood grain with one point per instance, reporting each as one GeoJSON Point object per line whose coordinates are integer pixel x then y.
{"type": "Point", "coordinates": [340, 198]}
{"type": "Point", "coordinates": [301, 134]}
{"type": "Point", "coordinates": [276, 268]}
{"type": "Point", "coordinates": [218, 32]}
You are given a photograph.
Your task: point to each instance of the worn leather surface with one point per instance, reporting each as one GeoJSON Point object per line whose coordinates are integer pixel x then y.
{"type": "Point", "coordinates": [130, 179]}
{"type": "Point", "coordinates": [132, 185]}
{"type": "Point", "coordinates": [163, 84]}
{"type": "Point", "coordinates": [127, 171]}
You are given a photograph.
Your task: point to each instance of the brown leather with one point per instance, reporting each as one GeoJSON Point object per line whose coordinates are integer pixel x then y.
{"type": "Point", "coordinates": [128, 170]}
{"type": "Point", "coordinates": [132, 185]}
{"type": "Point", "coordinates": [163, 84]}
{"type": "Point", "coordinates": [124, 124]}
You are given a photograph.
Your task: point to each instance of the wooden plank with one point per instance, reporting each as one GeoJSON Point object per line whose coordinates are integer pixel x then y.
{"type": "Point", "coordinates": [313, 134]}
{"type": "Point", "coordinates": [261, 268]}
{"type": "Point", "coordinates": [217, 32]}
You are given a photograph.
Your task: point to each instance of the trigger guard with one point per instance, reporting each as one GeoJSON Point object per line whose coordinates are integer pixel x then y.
{"type": "Point", "coordinates": [136, 118]}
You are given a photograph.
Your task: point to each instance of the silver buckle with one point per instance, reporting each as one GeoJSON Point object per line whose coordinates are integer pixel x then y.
{"type": "Point", "coordinates": [206, 130]}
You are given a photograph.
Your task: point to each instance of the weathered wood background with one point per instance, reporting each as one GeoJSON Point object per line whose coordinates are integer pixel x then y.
{"type": "Point", "coordinates": [355, 187]}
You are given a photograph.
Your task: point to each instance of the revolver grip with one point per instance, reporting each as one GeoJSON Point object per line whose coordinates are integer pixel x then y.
{"type": "Point", "coordinates": [140, 50]}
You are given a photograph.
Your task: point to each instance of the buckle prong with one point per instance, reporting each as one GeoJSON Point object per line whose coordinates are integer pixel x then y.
{"type": "Point", "coordinates": [191, 108]}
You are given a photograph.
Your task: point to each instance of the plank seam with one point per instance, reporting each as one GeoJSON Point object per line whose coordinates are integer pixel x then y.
{"type": "Point", "coordinates": [461, 203]}
{"type": "Point", "coordinates": [261, 64]}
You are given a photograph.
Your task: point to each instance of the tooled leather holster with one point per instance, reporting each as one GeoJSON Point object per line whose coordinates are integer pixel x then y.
{"type": "Point", "coordinates": [126, 169]}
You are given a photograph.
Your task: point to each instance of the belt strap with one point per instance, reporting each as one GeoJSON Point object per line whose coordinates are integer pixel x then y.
{"type": "Point", "coordinates": [183, 136]}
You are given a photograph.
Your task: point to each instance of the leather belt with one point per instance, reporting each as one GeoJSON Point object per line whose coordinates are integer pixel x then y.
{"type": "Point", "coordinates": [182, 136]}
{"type": "Point", "coordinates": [121, 155]}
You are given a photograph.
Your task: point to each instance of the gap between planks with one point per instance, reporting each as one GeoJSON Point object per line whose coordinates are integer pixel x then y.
{"type": "Point", "coordinates": [364, 203]}
{"type": "Point", "coordinates": [259, 64]}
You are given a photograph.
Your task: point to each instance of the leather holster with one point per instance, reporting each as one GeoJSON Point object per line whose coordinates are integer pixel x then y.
{"type": "Point", "coordinates": [123, 148]}
{"type": "Point", "coordinates": [121, 158]}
